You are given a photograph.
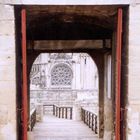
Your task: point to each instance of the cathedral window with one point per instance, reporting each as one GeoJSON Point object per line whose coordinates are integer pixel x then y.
{"type": "Point", "coordinates": [61, 75]}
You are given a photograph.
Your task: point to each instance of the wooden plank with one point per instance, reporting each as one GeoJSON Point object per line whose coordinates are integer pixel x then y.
{"type": "Point", "coordinates": [66, 44]}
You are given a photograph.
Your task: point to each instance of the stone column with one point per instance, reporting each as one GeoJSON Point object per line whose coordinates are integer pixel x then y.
{"type": "Point", "coordinates": [108, 119]}
{"type": "Point", "coordinates": [108, 107]}
{"type": "Point", "coordinates": [7, 74]}
{"type": "Point", "coordinates": [39, 112]}
{"type": "Point", "coordinates": [77, 111]}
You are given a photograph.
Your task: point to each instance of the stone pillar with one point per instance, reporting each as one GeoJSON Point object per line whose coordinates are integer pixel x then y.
{"type": "Point", "coordinates": [108, 109]}
{"type": "Point", "coordinates": [39, 112]}
{"type": "Point", "coordinates": [7, 74]}
{"type": "Point", "coordinates": [133, 116]}
{"type": "Point", "coordinates": [99, 60]}
{"type": "Point", "coordinates": [77, 111]}
{"type": "Point", "coordinates": [108, 119]}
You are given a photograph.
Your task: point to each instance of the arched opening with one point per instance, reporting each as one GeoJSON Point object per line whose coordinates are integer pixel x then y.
{"type": "Point", "coordinates": [70, 29]}
{"type": "Point", "coordinates": [64, 88]}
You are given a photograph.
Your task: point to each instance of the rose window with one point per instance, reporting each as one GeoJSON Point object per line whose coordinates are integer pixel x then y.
{"type": "Point", "coordinates": [61, 75]}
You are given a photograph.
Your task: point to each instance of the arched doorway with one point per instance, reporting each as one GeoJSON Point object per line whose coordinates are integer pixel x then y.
{"type": "Point", "coordinates": [101, 45]}
{"type": "Point", "coordinates": [70, 92]}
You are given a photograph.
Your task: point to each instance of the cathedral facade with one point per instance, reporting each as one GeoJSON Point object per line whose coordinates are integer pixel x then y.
{"type": "Point", "coordinates": [64, 79]}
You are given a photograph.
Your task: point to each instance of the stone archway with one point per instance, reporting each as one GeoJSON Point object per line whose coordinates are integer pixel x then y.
{"type": "Point", "coordinates": [98, 58]}
{"type": "Point", "coordinates": [105, 45]}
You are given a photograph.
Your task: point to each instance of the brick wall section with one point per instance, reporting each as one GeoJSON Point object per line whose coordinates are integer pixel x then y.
{"type": "Point", "coordinates": [7, 74]}
{"type": "Point", "coordinates": [133, 119]}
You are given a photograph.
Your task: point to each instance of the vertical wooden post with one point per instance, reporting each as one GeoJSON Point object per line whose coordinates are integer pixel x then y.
{"type": "Point", "coordinates": [24, 75]}
{"type": "Point", "coordinates": [66, 113]}
{"type": "Point", "coordinates": [96, 125]}
{"type": "Point", "coordinates": [53, 110]}
{"type": "Point", "coordinates": [89, 119]}
{"type": "Point", "coordinates": [62, 112]}
{"type": "Point", "coordinates": [59, 112]}
{"type": "Point", "coordinates": [71, 113]}
{"type": "Point", "coordinates": [118, 65]}
{"type": "Point", "coordinates": [56, 111]}
{"type": "Point", "coordinates": [92, 122]}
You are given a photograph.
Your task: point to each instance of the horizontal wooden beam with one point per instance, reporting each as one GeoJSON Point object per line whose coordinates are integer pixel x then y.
{"type": "Point", "coordinates": [68, 44]}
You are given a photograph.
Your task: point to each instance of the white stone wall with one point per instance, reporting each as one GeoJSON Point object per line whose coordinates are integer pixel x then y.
{"type": "Point", "coordinates": [7, 74]}
{"type": "Point", "coordinates": [133, 119]}
{"type": "Point", "coordinates": [70, 2]}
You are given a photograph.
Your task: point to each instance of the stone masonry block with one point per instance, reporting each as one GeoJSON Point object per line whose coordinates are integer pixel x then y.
{"type": "Point", "coordinates": [7, 89]}
{"type": "Point", "coordinates": [7, 44]}
{"type": "Point", "coordinates": [7, 59]}
{"type": "Point", "coordinates": [6, 12]}
{"type": "Point", "coordinates": [7, 73]}
{"type": "Point", "coordinates": [3, 114]}
{"type": "Point", "coordinates": [7, 27]}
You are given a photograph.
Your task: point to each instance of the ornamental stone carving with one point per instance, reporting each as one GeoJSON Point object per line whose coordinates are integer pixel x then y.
{"type": "Point", "coordinates": [61, 75]}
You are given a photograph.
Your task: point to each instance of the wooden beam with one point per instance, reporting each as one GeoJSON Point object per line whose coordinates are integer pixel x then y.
{"type": "Point", "coordinates": [101, 51]}
{"type": "Point", "coordinates": [67, 44]}
{"type": "Point", "coordinates": [24, 76]}
{"type": "Point", "coordinates": [118, 66]}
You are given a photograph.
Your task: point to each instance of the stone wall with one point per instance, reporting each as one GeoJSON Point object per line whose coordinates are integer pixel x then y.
{"type": "Point", "coordinates": [67, 98]}
{"type": "Point", "coordinates": [61, 98]}
{"type": "Point", "coordinates": [70, 2]}
{"type": "Point", "coordinates": [7, 74]}
{"type": "Point", "coordinates": [133, 118]}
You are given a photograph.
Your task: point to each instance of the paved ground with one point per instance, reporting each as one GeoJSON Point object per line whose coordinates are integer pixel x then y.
{"type": "Point", "coordinates": [53, 128]}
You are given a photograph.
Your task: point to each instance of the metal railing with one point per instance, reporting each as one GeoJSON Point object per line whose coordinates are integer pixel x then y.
{"type": "Point", "coordinates": [90, 119]}
{"type": "Point", "coordinates": [33, 119]}
{"type": "Point", "coordinates": [62, 112]}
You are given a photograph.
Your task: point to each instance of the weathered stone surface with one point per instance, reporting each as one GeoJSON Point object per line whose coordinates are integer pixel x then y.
{"type": "Point", "coordinates": [7, 132]}
{"type": "Point", "coordinates": [133, 129]}
{"type": "Point", "coordinates": [7, 59]}
{"type": "Point", "coordinates": [3, 114]}
{"type": "Point", "coordinates": [68, 2]}
{"type": "Point", "coordinates": [6, 12]}
{"type": "Point", "coordinates": [7, 44]}
{"type": "Point", "coordinates": [7, 27]}
{"type": "Point", "coordinates": [7, 74]}
{"type": "Point", "coordinates": [8, 88]}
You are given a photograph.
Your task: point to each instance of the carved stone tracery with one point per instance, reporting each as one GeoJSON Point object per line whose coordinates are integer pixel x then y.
{"type": "Point", "coordinates": [61, 75]}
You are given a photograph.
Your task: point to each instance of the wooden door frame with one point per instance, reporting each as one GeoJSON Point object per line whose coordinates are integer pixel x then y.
{"type": "Point", "coordinates": [118, 74]}
{"type": "Point", "coordinates": [24, 75]}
